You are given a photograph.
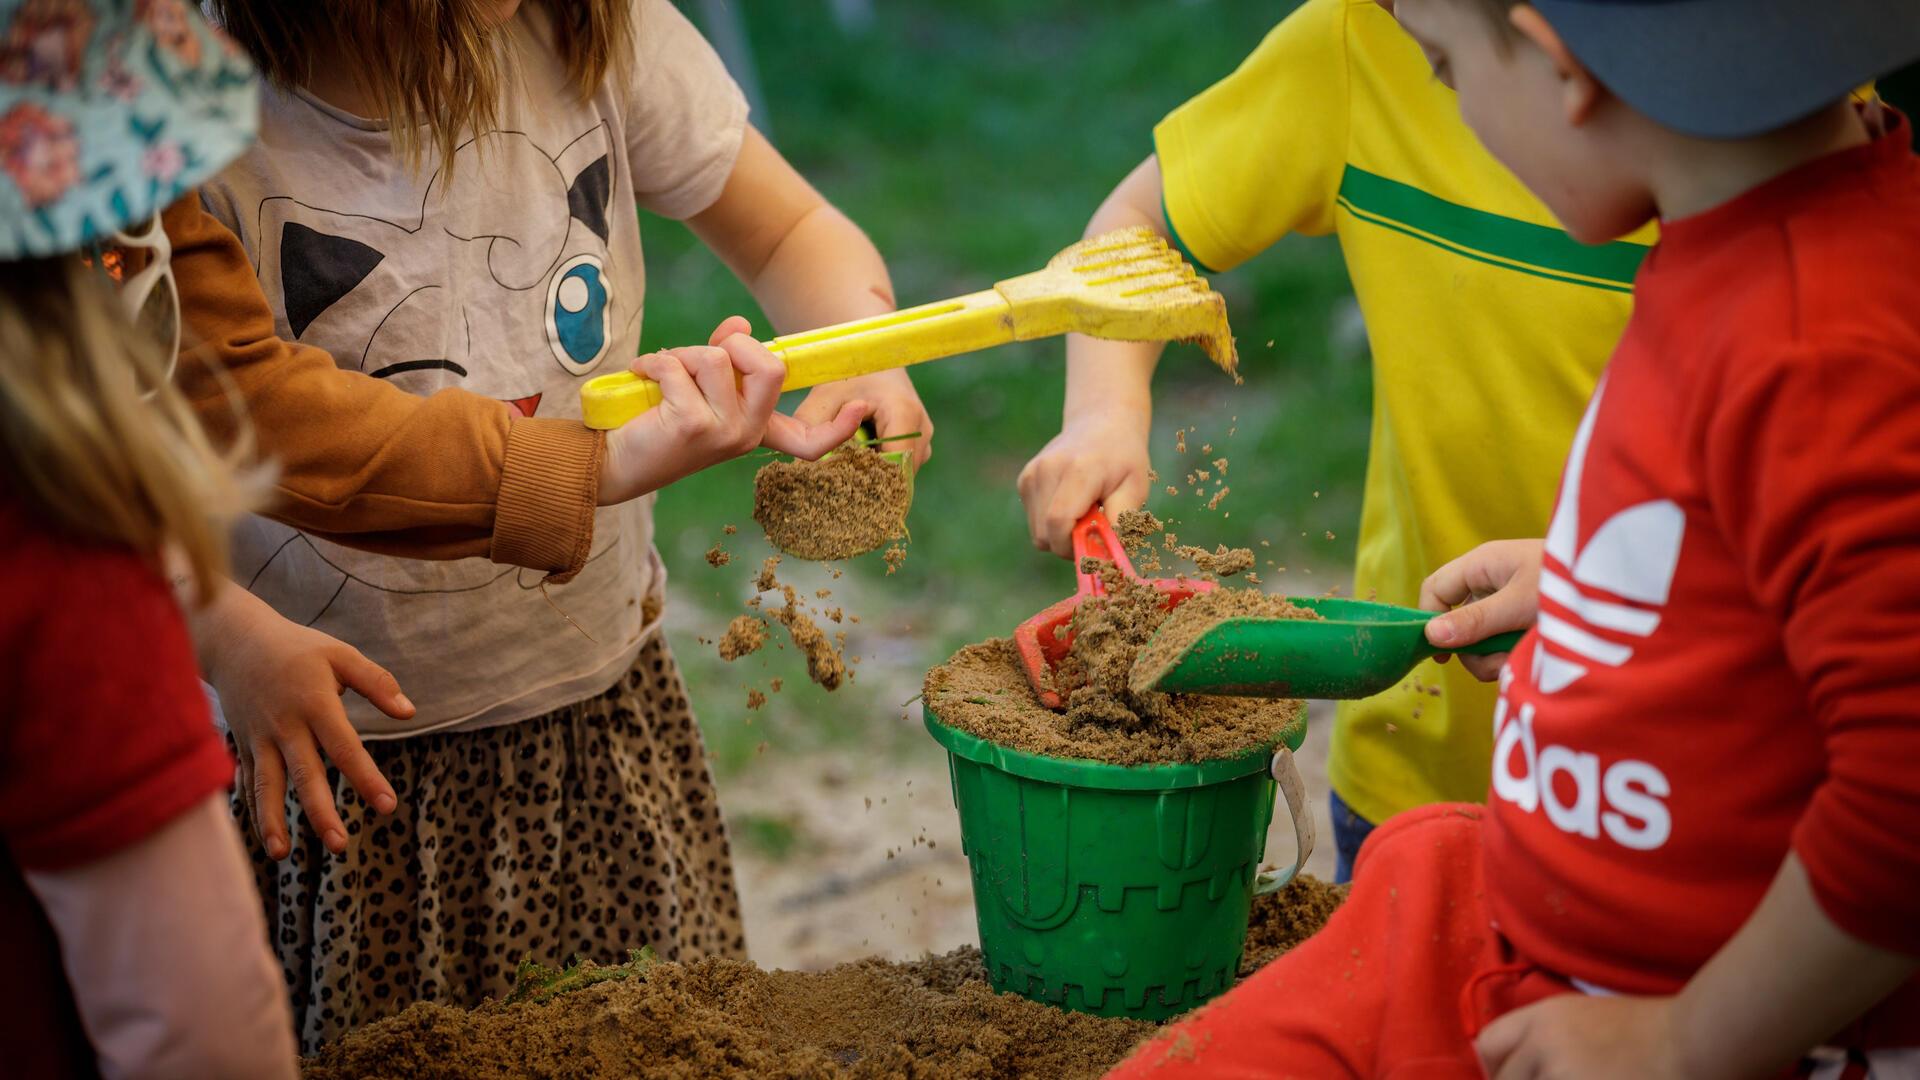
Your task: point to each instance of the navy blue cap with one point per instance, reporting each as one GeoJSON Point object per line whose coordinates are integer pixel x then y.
{"type": "Point", "coordinates": [1732, 69]}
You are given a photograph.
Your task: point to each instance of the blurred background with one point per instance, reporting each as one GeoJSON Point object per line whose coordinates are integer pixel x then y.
{"type": "Point", "coordinates": [972, 141]}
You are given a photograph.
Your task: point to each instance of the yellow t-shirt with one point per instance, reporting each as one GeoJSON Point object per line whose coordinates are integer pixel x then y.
{"type": "Point", "coordinates": [1488, 325]}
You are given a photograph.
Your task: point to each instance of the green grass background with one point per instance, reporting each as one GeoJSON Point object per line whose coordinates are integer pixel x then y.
{"type": "Point", "coordinates": [971, 141]}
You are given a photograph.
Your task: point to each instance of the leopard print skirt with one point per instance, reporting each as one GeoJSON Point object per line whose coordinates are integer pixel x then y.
{"type": "Point", "coordinates": [588, 831]}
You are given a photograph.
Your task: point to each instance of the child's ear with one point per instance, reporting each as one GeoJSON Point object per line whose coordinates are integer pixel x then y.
{"type": "Point", "coordinates": [1579, 90]}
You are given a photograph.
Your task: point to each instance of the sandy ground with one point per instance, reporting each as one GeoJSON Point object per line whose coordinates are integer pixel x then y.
{"type": "Point", "coordinates": [878, 869]}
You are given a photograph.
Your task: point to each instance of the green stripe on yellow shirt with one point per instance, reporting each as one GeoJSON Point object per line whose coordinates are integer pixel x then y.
{"type": "Point", "coordinates": [1491, 238]}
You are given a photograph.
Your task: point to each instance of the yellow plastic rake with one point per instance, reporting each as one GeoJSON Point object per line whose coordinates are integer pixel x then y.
{"type": "Point", "coordinates": [1125, 285]}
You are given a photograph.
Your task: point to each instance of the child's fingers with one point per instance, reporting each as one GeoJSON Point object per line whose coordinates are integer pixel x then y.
{"type": "Point", "coordinates": [1499, 1040]}
{"type": "Point", "coordinates": [809, 441]}
{"type": "Point", "coordinates": [718, 380]}
{"type": "Point", "coordinates": [1507, 609]}
{"type": "Point", "coordinates": [1073, 495]}
{"type": "Point", "coordinates": [307, 776]}
{"type": "Point", "coordinates": [729, 326]}
{"type": "Point", "coordinates": [1446, 587]}
{"type": "Point", "coordinates": [761, 376]}
{"type": "Point", "coordinates": [904, 416]}
{"type": "Point", "coordinates": [676, 383]}
{"type": "Point", "coordinates": [1035, 484]}
{"type": "Point", "coordinates": [267, 799]}
{"type": "Point", "coordinates": [371, 681]}
{"type": "Point", "coordinates": [342, 744]}
{"type": "Point", "coordinates": [1484, 668]}
{"type": "Point", "coordinates": [1129, 494]}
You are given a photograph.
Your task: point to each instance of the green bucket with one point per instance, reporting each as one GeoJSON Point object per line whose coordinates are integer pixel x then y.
{"type": "Point", "coordinates": [1110, 889]}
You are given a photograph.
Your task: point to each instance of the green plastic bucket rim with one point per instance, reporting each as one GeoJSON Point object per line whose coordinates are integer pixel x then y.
{"type": "Point", "coordinates": [1106, 776]}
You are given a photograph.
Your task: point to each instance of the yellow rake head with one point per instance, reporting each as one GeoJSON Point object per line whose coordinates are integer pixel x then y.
{"type": "Point", "coordinates": [1126, 285]}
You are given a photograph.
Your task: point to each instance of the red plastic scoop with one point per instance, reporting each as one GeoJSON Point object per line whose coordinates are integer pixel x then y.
{"type": "Point", "coordinates": [1043, 640]}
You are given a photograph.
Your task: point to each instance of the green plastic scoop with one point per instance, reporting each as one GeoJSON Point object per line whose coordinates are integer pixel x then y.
{"type": "Point", "coordinates": [1356, 649]}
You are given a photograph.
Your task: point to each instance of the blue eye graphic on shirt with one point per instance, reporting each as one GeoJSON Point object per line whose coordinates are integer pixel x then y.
{"type": "Point", "coordinates": [579, 312]}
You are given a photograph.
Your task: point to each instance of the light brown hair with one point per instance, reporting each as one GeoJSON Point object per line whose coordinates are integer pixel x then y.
{"type": "Point", "coordinates": [93, 433]}
{"type": "Point", "coordinates": [436, 66]}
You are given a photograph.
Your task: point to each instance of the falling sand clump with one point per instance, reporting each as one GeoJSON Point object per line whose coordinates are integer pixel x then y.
{"type": "Point", "coordinates": [934, 1018]}
{"type": "Point", "coordinates": [1195, 617]}
{"type": "Point", "coordinates": [717, 556]}
{"type": "Point", "coordinates": [825, 664]}
{"type": "Point", "coordinates": [847, 503]}
{"type": "Point", "coordinates": [745, 634]}
{"type": "Point", "coordinates": [983, 690]}
{"type": "Point", "coordinates": [1222, 561]}
{"type": "Point", "coordinates": [1136, 529]}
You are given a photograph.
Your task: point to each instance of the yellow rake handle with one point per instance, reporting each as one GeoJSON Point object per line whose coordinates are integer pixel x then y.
{"type": "Point", "coordinates": [909, 336]}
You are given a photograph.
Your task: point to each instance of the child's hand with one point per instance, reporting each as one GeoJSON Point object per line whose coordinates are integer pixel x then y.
{"type": "Point", "coordinates": [280, 685]}
{"type": "Point", "coordinates": [896, 409]}
{"type": "Point", "coordinates": [1489, 590]}
{"type": "Point", "coordinates": [1574, 1035]}
{"type": "Point", "coordinates": [1097, 459]}
{"type": "Point", "coordinates": [716, 403]}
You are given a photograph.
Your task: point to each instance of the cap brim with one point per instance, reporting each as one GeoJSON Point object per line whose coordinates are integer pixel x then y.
{"type": "Point", "coordinates": [1725, 71]}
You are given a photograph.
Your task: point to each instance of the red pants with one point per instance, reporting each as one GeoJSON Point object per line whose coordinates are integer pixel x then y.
{"type": "Point", "coordinates": [1397, 984]}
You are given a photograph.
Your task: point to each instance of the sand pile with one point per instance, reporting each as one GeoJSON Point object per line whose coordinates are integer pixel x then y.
{"type": "Point", "coordinates": [1284, 919]}
{"type": "Point", "coordinates": [983, 690]}
{"type": "Point", "coordinates": [1193, 618]}
{"type": "Point", "coordinates": [933, 1019]}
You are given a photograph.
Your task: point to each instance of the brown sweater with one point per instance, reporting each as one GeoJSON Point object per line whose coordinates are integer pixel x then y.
{"type": "Point", "coordinates": [362, 462]}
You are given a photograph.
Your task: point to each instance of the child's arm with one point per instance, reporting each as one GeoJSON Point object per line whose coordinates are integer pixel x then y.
{"type": "Point", "coordinates": [113, 806]}
{"type": "Point", "coordinates": [361, 461]}
{"type": "Point", "coordinates": [280, 685]}
{"type": "Point", "coordinates": [165, 947]}
{"type": "Point", "coordinates": [1100, 455]}
{"type": "Point", "coordinates": [1788, 980]}
{"type": "Point", "coordinates": [1823, 516]}
{"type": "Point", "coordinates": [808, 265]}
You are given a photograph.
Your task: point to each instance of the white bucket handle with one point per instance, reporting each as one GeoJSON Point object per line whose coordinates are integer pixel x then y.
{"type": "Point", "coordinates": [1287, 775]}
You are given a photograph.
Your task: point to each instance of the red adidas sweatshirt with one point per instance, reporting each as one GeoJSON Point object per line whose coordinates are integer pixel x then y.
{"type": "Point", "coordinates": [1727, 661]}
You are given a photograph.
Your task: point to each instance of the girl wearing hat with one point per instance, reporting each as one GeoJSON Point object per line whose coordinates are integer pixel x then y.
{"type": "Point", "coordinates": [133, 936]}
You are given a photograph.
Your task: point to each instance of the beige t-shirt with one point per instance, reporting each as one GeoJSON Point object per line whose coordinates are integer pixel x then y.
{"type": "Point", "coordinates": [516, 274]}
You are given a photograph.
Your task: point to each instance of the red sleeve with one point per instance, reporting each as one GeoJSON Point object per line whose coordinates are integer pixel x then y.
{"type": "Point", "coordinates": [1814, 473]}
{"type": "Point", "coordinates": [106, 734]}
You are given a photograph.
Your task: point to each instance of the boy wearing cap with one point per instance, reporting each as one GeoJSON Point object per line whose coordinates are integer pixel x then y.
{"type": "Point", "coordinates": [1487, 327]}
{"type": "Point", "coordinates": [1700, 851]}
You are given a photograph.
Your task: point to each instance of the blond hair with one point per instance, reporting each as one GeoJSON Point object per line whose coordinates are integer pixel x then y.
{"type": "Point", "coordinates": [436, 66]}
{"type": "Point", "coordinates": [94, 434]}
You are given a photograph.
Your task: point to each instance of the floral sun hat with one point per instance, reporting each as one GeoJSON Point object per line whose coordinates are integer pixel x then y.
{"type": "Point", "coordinates": [110, 110]}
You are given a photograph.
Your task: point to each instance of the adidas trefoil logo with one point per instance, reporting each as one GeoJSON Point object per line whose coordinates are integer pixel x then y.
{"type": "Point", "coordinates": [1610, 589]}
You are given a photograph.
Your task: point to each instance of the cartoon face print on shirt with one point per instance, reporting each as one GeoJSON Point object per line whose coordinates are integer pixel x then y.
{"type": "Point", "coordinates": [500, 286]}
{"type": "Point", "coordinates": [508, 240]}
